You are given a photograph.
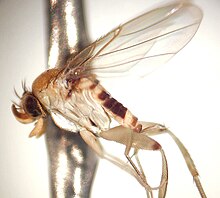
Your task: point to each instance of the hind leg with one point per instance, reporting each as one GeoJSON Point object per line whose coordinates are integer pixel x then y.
{"type": "Point", "coordinates": [94, 143]}
{"type": "Point", "coordinates": [151, 129]}
{"type": "Point", "coordinates": [131, 139]}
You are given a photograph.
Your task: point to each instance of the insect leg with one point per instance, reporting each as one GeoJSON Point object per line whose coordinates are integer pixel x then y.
{"type": "Point", "coordinates": [160, 129]}
{"type": "Point", "coordinates": [127, 151]}
{"type": "Point", "coordinates": [94, 143]}
{"type": "Point", "coordinates": [39, 128]}
{"type": "Point", "coordinates": [164, 177]}
{"type": "Point", "coordinates": [135, 154]}
{"type": "Point", "coordinates": [190, 163]}
{"type": "Point", "coordinates": [137, 141]}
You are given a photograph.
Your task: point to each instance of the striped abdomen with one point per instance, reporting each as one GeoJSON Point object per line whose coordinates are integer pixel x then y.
{"type": "Point", "coordinates": [114, 108]}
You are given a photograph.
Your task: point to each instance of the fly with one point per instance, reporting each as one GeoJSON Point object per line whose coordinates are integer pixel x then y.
{"type": "Point", "coordinates": [75, 99]}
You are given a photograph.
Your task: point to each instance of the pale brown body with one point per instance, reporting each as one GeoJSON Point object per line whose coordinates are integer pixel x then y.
{"type": "Point", "coordinates": [83, 102]}
{"type": "Point", "coordinates": [78, 103]}
{"type": "Point", "coordinates": [86, 103]}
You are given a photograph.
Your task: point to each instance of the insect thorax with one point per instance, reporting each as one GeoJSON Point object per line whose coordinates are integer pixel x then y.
{"type": "Point", "coordinates": [74, 104]}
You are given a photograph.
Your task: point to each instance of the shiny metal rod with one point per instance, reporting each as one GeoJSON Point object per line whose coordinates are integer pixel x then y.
{"type": "Point", "coordinates": [67, 32]}
{"type": "Point", "coordinates": [72, 163]}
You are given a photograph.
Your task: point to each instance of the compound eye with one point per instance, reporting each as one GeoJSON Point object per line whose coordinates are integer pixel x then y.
{"type": "Point", "coordinates": [32, 106]}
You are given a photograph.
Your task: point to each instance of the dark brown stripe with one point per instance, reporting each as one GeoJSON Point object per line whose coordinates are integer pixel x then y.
{"type": "Point", "coordinates": [93, 86]}
{"type": "Point", "coordinates": [109, 103]}
{"type": "Point", "coordinates": [103, 95]}
{"type": "Point", "coordinates": [119, 110]}
{"type": "Point", "coordinates": [95, 83]}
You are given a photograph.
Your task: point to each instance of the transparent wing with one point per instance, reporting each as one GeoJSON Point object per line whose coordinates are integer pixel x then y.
{"type": "Point", "coordinates": [153, 38]}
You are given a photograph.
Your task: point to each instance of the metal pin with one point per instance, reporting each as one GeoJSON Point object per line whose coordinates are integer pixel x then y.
{"type": "Point", "coordinates": [72, 163]}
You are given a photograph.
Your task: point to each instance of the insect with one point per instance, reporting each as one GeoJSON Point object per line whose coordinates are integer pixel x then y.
{"type": "Point", "coordinates": [75, 99]}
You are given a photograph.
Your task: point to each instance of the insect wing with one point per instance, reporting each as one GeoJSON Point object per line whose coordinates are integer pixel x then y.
{"type": "Point", "coordinates": [153, 37]}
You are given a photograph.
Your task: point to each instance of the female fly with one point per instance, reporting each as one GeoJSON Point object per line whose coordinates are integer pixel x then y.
{"type": "Point", "coordinates": [77, 102]}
